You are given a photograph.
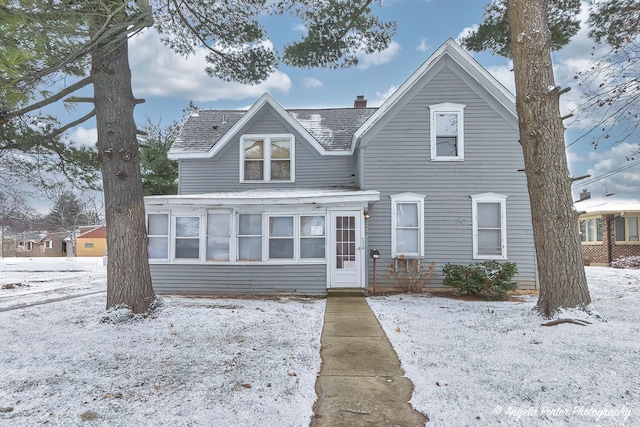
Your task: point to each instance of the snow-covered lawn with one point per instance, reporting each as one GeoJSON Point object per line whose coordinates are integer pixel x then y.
{"type": "Point", "coordinates": [198, 362]}
{"type": "Point", "coordinates": [243, 362]}
{"type": "Point", "coordinates": [490, 363]}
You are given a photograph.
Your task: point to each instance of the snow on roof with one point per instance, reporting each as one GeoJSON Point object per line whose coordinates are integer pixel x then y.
{"type": "Point", "coordinates": [614, 203]}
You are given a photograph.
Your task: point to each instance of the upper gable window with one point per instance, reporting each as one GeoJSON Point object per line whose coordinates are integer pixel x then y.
{"type": "Point", "coordinates": [447, 132]}
{"type": "Point", "coordinates": [267, 158]}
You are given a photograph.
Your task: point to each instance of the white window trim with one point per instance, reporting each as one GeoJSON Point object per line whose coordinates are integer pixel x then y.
{"type": "Point", "coordinates": [48, 244]}
{"type": "Point", "coordinates": [202, 237]}
{"type": "Point", "coordinates": [169, 227]}
{"type": "Point", "coordinates": [490, 198]}
{"type": "Point", "coordinates": [407, 198]}
{"type": "Point", "coordinates": [445, 108]}
{"type": "Point", "coordinates": [267, 157]}
{"type": "Point", "coordinates": [595, 240]}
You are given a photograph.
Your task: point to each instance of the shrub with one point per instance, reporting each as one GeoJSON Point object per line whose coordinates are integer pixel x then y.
{"type": "Point", "coordinates": [490, 278]}
{"type": "Point", "coordinates": [627, 262]}
{"type": "Point", "coordinates": [410, 275]}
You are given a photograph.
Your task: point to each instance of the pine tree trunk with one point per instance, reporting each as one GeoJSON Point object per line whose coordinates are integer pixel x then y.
{"type": "Point", "coordinates": [563, 283]}
{"type": "Point", "coordinates": [128, 276]}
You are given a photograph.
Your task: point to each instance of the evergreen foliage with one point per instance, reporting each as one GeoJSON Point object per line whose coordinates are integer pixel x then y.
{"type": "Point", "coordinates": [490, 278]}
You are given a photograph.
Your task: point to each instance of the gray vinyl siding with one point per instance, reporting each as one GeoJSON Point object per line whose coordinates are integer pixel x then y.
{"type": "Point", "coordinates": [397, 159]}
{"type": "Point", "coordinates": [221, 173]}
{"type": "Point", "coordinates": [202, 279]}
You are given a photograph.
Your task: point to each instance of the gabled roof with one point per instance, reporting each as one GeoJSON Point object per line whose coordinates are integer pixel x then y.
{"type": "Point", "coordinates": [452, 50]}
{"type": "Point", "coordinates": [99, 231]}
{"type": "Point", "coordinates": [329, 131]}
{"type": "Point", "coordinates": [612, 204]}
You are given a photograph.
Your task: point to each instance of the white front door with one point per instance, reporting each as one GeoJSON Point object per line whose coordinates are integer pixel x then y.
{"type": "Point", "coordinates": [346, 248]}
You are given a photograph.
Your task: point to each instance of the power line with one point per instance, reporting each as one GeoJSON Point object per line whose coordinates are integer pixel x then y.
{"type": "Point", "coordinates": [606, 175]}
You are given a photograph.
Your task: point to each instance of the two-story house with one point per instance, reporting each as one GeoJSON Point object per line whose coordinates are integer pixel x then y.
{"type": "Point", "coordinates": [274, 200]}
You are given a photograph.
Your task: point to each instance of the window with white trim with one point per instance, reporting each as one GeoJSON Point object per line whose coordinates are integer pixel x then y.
{"type": "Point", "coordinates": [218, 236]}
{"type": "Point", "coordinates": [489, 218]}
{"type": "Point", "coordinates": [250, 237]}
{"type": "Point", "coordinates": [281, 237]}
{"type": "Point", "coordinates": [158, 233]}
{"type": "Point", "coordinates": [187, 237]}
{"type": "Point", "coordinates": [447, 131]}
{"type": "Point", "coordinates": [626, 229]}
{"type": "Point", "coordinates": [312, 236]}
{"type": "Point", "coordinates": [48, 244]}
{"type": "Point", "coordinates": [267, 158]}
{"type": "Point", "coordinates": [29, 246]}
{"type": "Point", "coordinates": [407, 225]}
{"type": "Point", "coordinates": [591, 230]}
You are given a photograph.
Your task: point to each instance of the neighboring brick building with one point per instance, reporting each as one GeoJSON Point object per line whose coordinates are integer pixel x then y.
{"type": "Point", "coordinates": [608, 227]}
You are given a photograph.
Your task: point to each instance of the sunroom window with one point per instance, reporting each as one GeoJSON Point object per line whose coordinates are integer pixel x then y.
{"type": "Point", "coordinates": [267, 158]}
{"type": "Point", "coordinates": [281, 237]}
{"type": "Point", "coordinates": [158, 232]}
{"type": "Point", "coordinates": [250, 237]}
{"type": "Point", "coordinates": [312, 237]}
{"type": "Point", "coordinates": [218, 236]}
{"type": "Point", "coordinates": [187, 239]}
{"type": "Point", "coordinates": [447, 132]}
{"type": "Point", "coordinates": [591, 230]}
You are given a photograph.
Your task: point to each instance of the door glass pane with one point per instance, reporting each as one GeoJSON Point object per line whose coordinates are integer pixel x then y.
{"type": "Point", "coordinates": [407, 214]}
{"type": "Point", "coordinates": [489, 215]}
{"type": "Point", "coordinates": [345, 243]}
{"type": "Point", "coordinates": [633, 228]}
{"type": "Point", "coordinates": [489, 242]}
{"type": "Point", "coordinates": [159, 224]}
{"type": "Point", "coordinates": [407, 241]}
{"type": "Point", "coordinates": [188, 226]}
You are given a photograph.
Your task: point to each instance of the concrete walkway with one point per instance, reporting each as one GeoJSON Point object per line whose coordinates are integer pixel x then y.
{"type": "Point", "coordinates": [360, 382]}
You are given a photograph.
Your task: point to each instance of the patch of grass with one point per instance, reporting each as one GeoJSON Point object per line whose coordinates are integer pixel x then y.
{"type": "Point", "coordinates": [89, 416]}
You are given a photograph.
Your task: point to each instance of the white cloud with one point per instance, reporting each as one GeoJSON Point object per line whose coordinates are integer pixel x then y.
{"type": "Point", "coordinates": [312, 82]}
{"type": "Point", "coordinates": [465, 32]}
{"type": "Point", "coordinates": [612, 160]}
{"type": "Point", "coordinates": [378, 58]}
{"type": "Point", "coordinates": [382, 96]}
{"type": "Point", "coordinates": [504, 74]}
{"type": "Point", "coordinates": [423, 46]}
{"type": "Point", "coordinates": [83, 136]}
{"type": "Point", "coordinates": [158, 71]}
{"type": "Point", "coordinates": [299, 27]}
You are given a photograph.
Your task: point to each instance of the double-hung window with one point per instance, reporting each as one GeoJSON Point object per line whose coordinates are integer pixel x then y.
{"type": "Point", "coordinates": [591, 230]}
{"type": "Point", "coordinates": [267, 158]}
{"type": "Point", "coordinates": [489, 218]}
{"type": "Point", "coordinates": [218, 236]}
{"type": "Point", "coordinates": [187, 237]}
{"type": "Point", "coordinates": [626, 229]}
{"type": "Point", "coordinates": [281, 237]}
{"type": "Point", "coordinates": [407, 225]}
{"type": "Point", "coordinates": [312, 237]}
{"type": "Point", "coordinates": [250, 237]}
{"type": "Point", "coordinates": [158, 232]}
{"type": "Point", "coordinates": [447, 132]}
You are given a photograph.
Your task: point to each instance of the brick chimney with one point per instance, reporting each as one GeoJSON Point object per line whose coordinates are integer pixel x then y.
{"type": "Point", "coordinates": [584, 195]}
{"type": "Point", "coordinates": [360, 102]}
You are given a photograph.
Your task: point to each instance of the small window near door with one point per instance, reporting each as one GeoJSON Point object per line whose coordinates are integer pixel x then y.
{"type": "Point", "coordinates": [312, 237]}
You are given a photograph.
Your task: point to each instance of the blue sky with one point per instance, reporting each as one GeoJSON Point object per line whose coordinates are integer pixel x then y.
{"type": "Point", "coordinates": [168, 82]}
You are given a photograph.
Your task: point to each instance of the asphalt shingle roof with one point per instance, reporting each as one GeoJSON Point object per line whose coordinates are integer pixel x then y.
{"type": "Point", "coordinates": [333, 128]}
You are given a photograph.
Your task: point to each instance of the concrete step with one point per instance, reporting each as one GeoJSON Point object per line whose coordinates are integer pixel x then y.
{"type": "Point", "coordinates": [346, 292]}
